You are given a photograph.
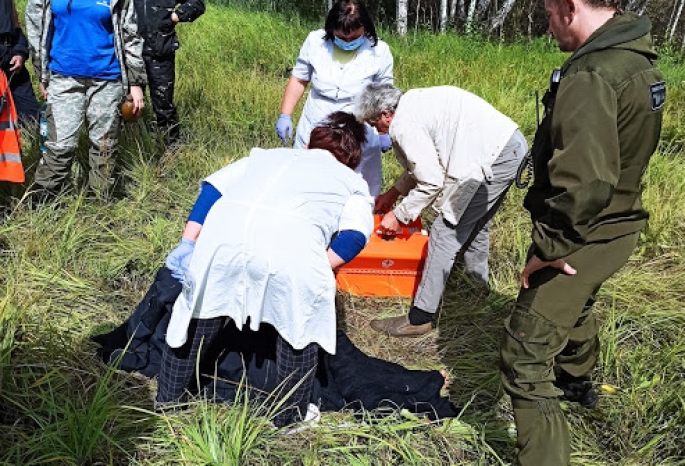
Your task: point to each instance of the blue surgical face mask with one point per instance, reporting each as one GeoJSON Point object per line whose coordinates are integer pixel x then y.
{"type": "Point", "coordinates": [352, 45]}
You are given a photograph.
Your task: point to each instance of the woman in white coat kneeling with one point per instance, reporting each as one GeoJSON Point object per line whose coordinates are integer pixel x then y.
{"type": "Point", "coordinates": [261, 244]}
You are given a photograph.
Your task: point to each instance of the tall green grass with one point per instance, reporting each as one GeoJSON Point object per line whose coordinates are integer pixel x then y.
{"type": "Point", "coordinates": [80, 266]}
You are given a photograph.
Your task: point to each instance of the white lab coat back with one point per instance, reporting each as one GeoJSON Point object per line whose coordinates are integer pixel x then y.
{"type": "Point", "coordinates": [261, 253]}
{"type": "Point", "coordinates": [333, 88]}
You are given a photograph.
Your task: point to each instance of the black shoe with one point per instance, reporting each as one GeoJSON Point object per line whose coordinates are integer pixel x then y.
{"type": "Point", "coordinates": [578, 390]}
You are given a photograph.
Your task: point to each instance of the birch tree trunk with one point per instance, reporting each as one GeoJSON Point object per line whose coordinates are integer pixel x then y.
{"type": "Point", "coordinates": [402, 7]}
{"type": "Point", "coordinates": [670, 20]}
{"type": "Point", "coordinates": [329, 4]}
{"type": "Point", "coordinates": [531, 9]}
{"type": "Point", "coordinates": [471, 19]}
{"type": "Point", "coordinates": [501, 15]}
{"type": "Point", "coordinates": [443, 16]}
{"type": "Point", "coordinates": [671, 33]}
{"type": "Point", "coordinates": [482, 8]}
{"type": "Point", "coordinates": [638, 6]}
{"type": "Point", "coordinates": [461, 10]}
{"type": "Point", "coordinates": [453, 9]}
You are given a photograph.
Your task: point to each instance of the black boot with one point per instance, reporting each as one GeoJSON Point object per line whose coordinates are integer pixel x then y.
{"type": "Point", "coordinates": [577, 390]}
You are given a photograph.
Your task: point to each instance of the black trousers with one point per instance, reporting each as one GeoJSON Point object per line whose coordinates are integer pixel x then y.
{"type": "Point", "coordinates": [293, 367]}
{"type": "Point", "coordinates": [23, 95]}
{"type": "Point", "coordinates": [161, 76]}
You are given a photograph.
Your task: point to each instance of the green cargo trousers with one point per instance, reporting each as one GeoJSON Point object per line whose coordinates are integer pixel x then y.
{"type": "Point", "coordinates": [71, 103]}
{"type": "Point", "coordinates": [551, 329]}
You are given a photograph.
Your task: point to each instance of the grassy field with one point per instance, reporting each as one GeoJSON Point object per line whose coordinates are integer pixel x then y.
{"type": "Point", "coordinates": [79, 267]}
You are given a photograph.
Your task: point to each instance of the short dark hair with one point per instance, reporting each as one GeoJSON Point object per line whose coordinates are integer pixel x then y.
{"type": "Point", "coordinates": [610, 4]}
{"type": "Point", "coordinates": [341, 135]}
{"type": "Point", "coordinates": [602, 4]}
{"type": "Point", "coordinates": [348, 15]}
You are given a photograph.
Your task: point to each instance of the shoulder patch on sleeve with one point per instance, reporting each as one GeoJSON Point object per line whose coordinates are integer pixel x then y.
{"type": "Point", "coordinates": [657, 92]}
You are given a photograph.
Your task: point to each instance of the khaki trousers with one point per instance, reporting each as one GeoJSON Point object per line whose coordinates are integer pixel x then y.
{"type": "Point", "coordinates": [551, 329]}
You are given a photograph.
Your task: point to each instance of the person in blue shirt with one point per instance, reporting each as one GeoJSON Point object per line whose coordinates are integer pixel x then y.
{"type": "Point", "coordinates": [88, 58]}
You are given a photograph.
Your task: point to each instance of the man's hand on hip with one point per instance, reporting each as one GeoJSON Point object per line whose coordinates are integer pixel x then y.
{"type": "Point", "coordinates": [535, 263]}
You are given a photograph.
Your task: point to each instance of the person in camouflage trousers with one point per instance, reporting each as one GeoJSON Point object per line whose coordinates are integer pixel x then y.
{"type": "Point", "coordinates": [602, 123]}
{"type": "Point", "coordinates": [88, 57]}
{"type": "Point", "coordinates": [157, 25]}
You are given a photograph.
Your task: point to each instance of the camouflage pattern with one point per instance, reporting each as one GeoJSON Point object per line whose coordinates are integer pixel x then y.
{"type": "Point", "coordinates": [127, 42]}
{"type": "Point", "coordinates": [73, 101]}
{"type": "Point", "coordinates": [159, 52]}
{"type": "Point", "coordinates": [158, 29]}
{"type": "Point", "coordinates": [161, 74]}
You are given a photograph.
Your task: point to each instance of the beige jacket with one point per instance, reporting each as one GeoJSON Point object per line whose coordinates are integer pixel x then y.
{"type": "Point", "coordinates": [447, 140]}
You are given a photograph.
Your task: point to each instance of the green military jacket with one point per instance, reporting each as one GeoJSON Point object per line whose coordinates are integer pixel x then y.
{"type": "Point", "coordinates": [601, 126]}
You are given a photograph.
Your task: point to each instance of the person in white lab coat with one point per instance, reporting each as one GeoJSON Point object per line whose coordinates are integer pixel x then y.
{"type": "Point", "coordinates": [460, 156]}
{"type": "Point", "coordinates": [338, 61]}
{"type": "Point", "coordinates": [262, 242]}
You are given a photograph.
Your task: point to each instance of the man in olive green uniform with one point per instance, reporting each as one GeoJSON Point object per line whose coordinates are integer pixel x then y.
{"type": "Point", "coordinates": [602, 123]}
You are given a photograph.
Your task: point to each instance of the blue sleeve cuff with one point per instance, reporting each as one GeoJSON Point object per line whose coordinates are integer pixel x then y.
{"type": "Point", "coordinates": [208, 196]}
{"type": "Point", "coordinates": [348, 244]}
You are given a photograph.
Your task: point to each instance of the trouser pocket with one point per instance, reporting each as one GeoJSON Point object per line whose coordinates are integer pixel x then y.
{"type": "Point", "coordinates": [530, 345]}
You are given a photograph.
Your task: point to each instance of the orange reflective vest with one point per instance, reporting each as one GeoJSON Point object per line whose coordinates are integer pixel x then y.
{"type": "Point", "coordinates": [11, 168]}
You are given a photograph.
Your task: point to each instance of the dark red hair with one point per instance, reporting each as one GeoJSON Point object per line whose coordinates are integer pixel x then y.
{"type": "Point", "coordinates": [341, 135]}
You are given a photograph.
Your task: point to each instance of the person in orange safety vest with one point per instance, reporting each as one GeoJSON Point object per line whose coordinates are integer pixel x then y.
{"type": "Point", "coordinates": [11, 168]}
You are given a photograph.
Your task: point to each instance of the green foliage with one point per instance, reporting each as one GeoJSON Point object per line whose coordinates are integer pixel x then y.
{"type": "Point", "coordinates": [219, 434]}
{"type": "Point", "coordinates": [79, 267]}
{"type": "Point", "coordinates": [55, 427]}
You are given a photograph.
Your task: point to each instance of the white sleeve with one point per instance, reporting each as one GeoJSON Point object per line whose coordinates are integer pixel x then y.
{"type": "Point", "coordinates": [357, 214]}
{"type": "Point", "coordinates": [226, 176]}
{"type": "Point", "coordinates": [303, 69]}
{"type": "Point", "coordinates": [385, 75]}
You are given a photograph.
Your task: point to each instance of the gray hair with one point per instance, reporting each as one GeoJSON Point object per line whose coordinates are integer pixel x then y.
{"type": "Point", "coordinates": [376, 99]}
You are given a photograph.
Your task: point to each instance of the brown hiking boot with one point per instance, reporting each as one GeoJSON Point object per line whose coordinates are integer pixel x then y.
{"type": "Point", "coordinates": [400, 327]}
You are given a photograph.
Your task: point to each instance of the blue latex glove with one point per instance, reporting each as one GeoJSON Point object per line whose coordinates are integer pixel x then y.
{"type": "Point", "coordinates": [386, 142]}
{"type": "Point", "coordinates": [178, 260]}
{"type": "Point", "coordinates": [284, 127]}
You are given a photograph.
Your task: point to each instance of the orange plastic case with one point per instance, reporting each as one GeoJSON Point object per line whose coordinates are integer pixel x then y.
{"type": "Point", "coordinates": [387, 267]}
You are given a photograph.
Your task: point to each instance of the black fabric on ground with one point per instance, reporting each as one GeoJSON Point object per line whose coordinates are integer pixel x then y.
{"type": "Point", "coordinates": [371, 383]}
{"type": "Point", "coordinates": [146, 329]}
{"type": "Point", "coordinates": [348, 379]}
